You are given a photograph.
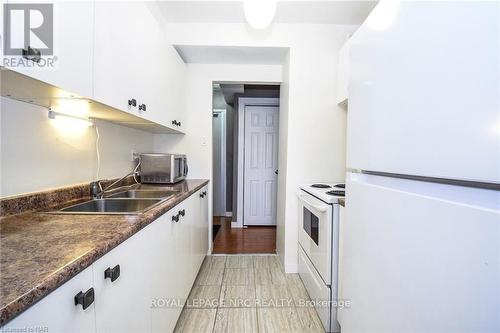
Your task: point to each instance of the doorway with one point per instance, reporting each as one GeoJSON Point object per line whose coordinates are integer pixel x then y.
{"type": "Point", "coordinates": [245, 120]}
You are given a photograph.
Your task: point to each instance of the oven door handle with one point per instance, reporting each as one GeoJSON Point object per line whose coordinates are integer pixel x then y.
{"type": "Point", "coordinates": [322, 209]}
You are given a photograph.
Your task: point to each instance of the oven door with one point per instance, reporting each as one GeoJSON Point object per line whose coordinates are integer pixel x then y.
{"type": "Point", "coordinates": [179, 168]}
{"type": "Point", "coordinates": [315, 233]}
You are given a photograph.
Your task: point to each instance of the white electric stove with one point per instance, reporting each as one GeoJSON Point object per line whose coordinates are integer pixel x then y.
{"type": "Point", "coordinates": [318, 247]}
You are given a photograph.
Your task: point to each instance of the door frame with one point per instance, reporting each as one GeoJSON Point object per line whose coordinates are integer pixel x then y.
{"type": "Point", "coordinates": [222, 112]}
{"type": "Point", "coordinates": [242, 103]}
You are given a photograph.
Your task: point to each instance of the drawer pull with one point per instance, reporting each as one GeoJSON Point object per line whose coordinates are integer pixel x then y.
{"type": "Point", "coordinates": [112, 273]}
{"type": "Point", "coordinates": [85, 299]}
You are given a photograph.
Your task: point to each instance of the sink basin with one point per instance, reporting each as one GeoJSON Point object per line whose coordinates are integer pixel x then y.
{"type": "Point", "coordinates": [146, 194]}
{"type": "Point", "coordinates": [112, 206]}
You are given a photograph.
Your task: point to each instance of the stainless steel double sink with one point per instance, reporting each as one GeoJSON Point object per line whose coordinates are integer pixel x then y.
{"type": "Point", "coordinates": [125, 202]}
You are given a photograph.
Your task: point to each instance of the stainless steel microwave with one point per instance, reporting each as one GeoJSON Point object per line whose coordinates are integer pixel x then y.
{"type": "Point", "coordinates": [163, 168]}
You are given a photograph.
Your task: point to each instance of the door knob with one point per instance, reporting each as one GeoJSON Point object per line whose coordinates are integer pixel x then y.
{"type": "Point", "coordinates": [112, 273]}
{"type": "Point", "coordinates": [276, 171]}
{"type": "Point", "coordinates": [85, 299]}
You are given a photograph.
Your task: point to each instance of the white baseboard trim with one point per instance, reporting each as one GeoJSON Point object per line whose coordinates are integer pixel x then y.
{"type": "Point", "coordinates": [236, 224]}
{"type": "Point", "coordinates": [229, 214]}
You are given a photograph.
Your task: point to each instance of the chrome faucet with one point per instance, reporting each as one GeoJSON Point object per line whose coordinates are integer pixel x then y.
{"type": "Point", "coordinates": [96, 190]}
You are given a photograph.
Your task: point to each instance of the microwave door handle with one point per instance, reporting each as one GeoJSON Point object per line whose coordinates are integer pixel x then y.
{"type": "Point", "coordinates": [186, 168]}
{"type": "Point", "coordinates": [321, 209]}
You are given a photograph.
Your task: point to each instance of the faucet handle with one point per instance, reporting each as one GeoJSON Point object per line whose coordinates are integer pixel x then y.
{"type": "Point", "coordinates": [95, 189]}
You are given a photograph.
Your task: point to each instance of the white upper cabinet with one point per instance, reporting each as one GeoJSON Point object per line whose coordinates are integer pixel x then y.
{"type": "Point", "coordinates": [343, 75]}
{"type": "Point", "coordinates": [423, 91]}
{"type": "Point", "coordinates": [73, 44]}
{"type": "Point", "coordinates": [134, 64]}
{"type": "Point", "coordinates": [171, 88]}
{"type": "Point", "coordinates": [120, 55]}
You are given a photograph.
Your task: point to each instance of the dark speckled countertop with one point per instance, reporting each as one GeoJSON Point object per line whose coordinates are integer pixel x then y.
{"type": "Point", "coordinates": [41, 251]}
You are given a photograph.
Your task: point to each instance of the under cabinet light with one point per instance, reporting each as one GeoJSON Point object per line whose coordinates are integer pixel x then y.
{"type": "Point", "coordinates": [53, 114]}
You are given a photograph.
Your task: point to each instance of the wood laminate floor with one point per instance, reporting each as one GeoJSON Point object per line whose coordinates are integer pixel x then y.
{"type": "Point", "coordinates": [253, 239]}
{"type": "Point", "coordinates": [247, 294]}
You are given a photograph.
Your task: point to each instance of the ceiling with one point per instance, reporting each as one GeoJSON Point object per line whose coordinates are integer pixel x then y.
{"type": "Point", "coordinates": [231, 11]}
{"type": "Point", "coordinates": [199, 54]}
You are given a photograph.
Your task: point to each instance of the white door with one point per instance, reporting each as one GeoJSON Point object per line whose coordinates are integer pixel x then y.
{"type": "Point", "coordinates": [219, 162]}
{"type": "Point", "coordinates": [261, 165]}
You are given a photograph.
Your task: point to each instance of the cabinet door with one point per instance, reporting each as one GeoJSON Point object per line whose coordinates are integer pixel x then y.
{"type": "Point", "coordinates": [119, 54]}
{"type": "Point", "coordinates": [73, 46]}
{"type": "Point", "coordinates": [172, 89]}
{"type": "Point", "coordinates": [343, 74]}
{"type": "Point", "coordinates": [124, 305]}
{"type": "Point", "coordinates": [57, 311]}
{"type": "Point", "coordinates": [204, 224]}
{"type": "Point", "coordinates": [183, 243]}
{"type": "Point", "coordinates": [166, 304]}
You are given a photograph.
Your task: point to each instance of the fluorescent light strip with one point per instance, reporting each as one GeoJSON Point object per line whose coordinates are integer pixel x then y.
{"type": "Point", "coordinates": [53, 114]}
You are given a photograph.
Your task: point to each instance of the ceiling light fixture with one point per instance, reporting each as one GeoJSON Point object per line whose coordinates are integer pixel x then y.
{"type": "Point", "coordinates": [53, 114]}
{"type": "Point", "coordinates": [259, 13]}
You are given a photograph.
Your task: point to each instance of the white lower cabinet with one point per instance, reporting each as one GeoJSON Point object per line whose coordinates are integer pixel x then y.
{"type": "Point", "coordinates": [121, 282]}
{"type": "Point", "coordinates": [57, 312]}
{"type": "Point", "coordinates": [139, 286]}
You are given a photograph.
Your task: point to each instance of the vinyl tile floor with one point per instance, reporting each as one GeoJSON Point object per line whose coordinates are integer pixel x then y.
{"type": "Point", "coordinates": [245, 293]}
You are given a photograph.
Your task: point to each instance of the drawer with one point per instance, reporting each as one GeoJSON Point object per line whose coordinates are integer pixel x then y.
{"type": "Point", "coordinates": [316, 288]}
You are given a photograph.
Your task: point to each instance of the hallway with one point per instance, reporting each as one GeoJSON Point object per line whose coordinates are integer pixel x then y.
{"type": "Point", "coordinates": [247, 294]}
{"type": "Point", "coordinates": [253, 239]}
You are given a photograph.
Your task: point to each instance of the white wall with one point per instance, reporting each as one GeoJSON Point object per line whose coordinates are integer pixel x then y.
{"type": "Point", "coordinates": [315, 125]}
{"type": "Point", "coordinates": [198, 123]}
{"type": "Point", "coordinates": [36, 155]}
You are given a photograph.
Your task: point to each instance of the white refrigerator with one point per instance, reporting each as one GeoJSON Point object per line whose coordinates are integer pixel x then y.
{"type": "Point", "coordinates": [421, 234]}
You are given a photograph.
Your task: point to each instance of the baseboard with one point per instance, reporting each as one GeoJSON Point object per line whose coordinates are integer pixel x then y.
{"type": "Point", "coordinates": [229, 214]}
{"type": "Point", "coordinates": [236, 224]}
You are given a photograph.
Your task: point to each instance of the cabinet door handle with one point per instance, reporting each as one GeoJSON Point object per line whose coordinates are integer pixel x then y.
{"type": "Point", "coordinates": [132, 102]}
{"type": "Point", "coordinates": [175, 218]}
{"type": "Point", "coordinates": [142, 107]}
{"type": "Point", "coordinates": [182, 212]}
{"type": "Point", "coordinates": [179, 123]}
{"type": "Point", "coordinates": [32, 54]}
{"type": "Point", "coordinates": [85, 298]}
{"type": "Point", "coordinates": [112, 273]}
{"type": "Point", "coordinates": [202, 195]}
